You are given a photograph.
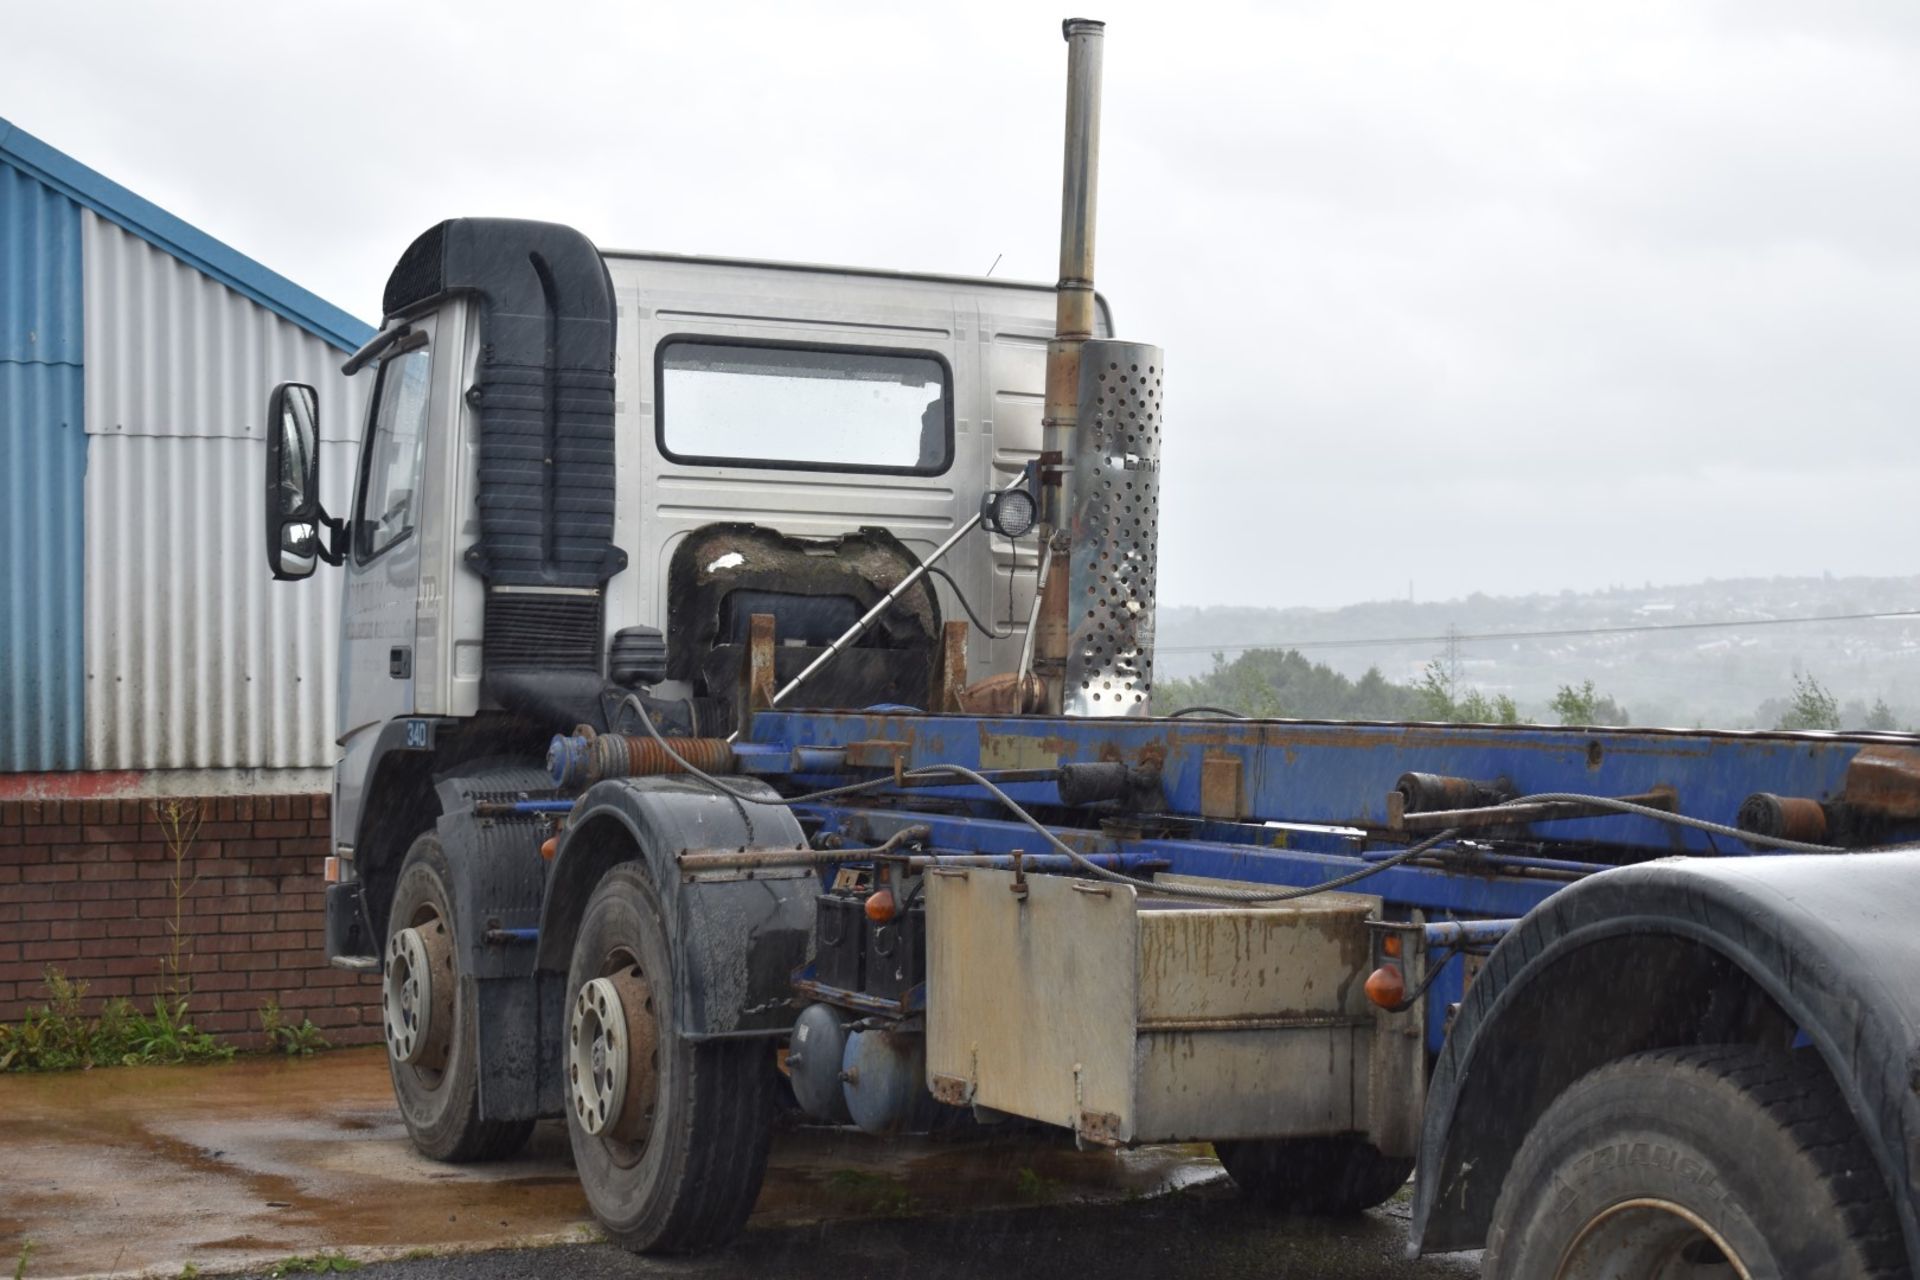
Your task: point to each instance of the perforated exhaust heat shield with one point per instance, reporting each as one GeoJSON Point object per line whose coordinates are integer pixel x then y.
{"type": "Point", "coordinates": [1113, 497]}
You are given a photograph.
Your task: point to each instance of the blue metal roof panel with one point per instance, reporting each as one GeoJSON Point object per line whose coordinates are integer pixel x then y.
{"type": "Point", "coordinates": [43, 468]}
{"type": "Point", "coordinates": [154, 224]}
{"type": "Point", "coordinates": [40, 284]}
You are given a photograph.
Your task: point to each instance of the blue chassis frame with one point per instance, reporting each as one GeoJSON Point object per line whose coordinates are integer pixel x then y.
{"type": "Point", "coordinates": [1328, 779]}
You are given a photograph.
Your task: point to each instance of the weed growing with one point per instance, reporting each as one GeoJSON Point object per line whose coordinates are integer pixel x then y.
{"type": "Point", "coordinates": [59, 1036]}
{"type": "Point", "coordinates": [313, 1264]}
{"type": "Point", "coordinates": [296, 1040]}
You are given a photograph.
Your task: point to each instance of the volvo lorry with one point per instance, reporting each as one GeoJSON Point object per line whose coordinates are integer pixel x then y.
{"type": "Point", "coordinates": [747, 700]}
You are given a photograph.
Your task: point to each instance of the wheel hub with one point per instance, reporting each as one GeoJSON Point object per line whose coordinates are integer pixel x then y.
{"type": "Point", "coordinates": [416, 996]}
{"type": "Point", "coordinates": [1650, 1239]}
{"type": "Point", "coordinates": [612, 1057]}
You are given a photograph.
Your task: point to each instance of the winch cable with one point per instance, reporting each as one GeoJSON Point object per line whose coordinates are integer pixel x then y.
{"type": "Point", "coordinates": [1079, 859]}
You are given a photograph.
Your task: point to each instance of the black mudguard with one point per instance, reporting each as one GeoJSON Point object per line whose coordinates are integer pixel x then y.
{"type": "Point", "coordinates": [1676, 952]}
{"type": "Point", "coordinates": [498, 879]}
{"type": "Point", "coordinates": [739, 935]}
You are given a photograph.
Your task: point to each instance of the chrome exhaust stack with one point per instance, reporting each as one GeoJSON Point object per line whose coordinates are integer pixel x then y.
{"type": "Point", "coordinates": [1100, 460]}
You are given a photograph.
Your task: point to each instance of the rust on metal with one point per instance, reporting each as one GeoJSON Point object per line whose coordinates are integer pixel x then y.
{"type": "Point", "coordinates": [1100, 1128]}
{"type": "Point", "coordinates": [1006, 694]}
{"type": "Point", "coordinates": [1507, 815]}
{"type": "Point", "coordinates": [1783, 817]}
{"type": "Point", "coordinates": [1424, 792]}
{"type": "Point", "coordinates": [1885, 780]}
{"type": "Point", "coordinates": [1221, 789]}
{"type": "Point", "coordinates": [620, 755]}
{"type": "Point", "coordinates": [759, 676]}
{"type": "Point", "coordinates": [635, 1122]}
{"type": "Point", "coordinates": [952, 1090]}
{"type": "Point", "coordinates": [950, 669]}
{"type": "Point", "coordinates": [437, 941]}
{"type": "Point", "coordinates": [877, 753]}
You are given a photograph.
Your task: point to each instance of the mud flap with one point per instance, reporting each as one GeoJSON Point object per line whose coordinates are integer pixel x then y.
{"type": "Point", "coordinates": [739, 935]}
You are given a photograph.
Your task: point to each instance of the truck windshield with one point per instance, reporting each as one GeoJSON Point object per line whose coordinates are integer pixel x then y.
{"type": "Point", "coordinates": [834, 408]}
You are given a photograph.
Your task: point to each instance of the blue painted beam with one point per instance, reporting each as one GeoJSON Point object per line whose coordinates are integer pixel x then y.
{"type": "Point", "coordinates": [1340, 774]}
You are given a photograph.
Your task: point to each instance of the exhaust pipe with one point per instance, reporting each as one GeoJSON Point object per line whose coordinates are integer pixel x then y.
{"type": "Point", "coordinates": [1100, 455]}
{"type": "Point", "coordinates": [1074, 296]}
{"type": "Point", "coordinates": [1073, 325]}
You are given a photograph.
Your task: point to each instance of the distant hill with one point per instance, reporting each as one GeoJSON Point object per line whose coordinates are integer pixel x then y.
{"type": "Point", "coordinates": [1682, 675]}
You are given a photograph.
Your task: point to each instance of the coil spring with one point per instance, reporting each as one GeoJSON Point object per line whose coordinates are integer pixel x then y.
{"type": "Point", "coordinates": [580, 760]}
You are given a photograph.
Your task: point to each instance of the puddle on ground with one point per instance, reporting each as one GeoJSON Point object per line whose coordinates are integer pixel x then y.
{"type": "Point", "coordinates": [132, 1171]}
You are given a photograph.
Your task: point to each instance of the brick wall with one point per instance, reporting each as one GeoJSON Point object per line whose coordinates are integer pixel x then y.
{"type": "Point", "coordinates": [85, 887]}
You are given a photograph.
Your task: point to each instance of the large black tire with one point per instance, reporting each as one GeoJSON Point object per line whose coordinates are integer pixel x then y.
{"type": "Point", "coordinates": [689, 1185]}
{"type": "Point", "coordinates": [441, 1106]}
{"type": "Point", "coordinates": [1323, 1177]}
{"type": "Point", "coordinates": [1680, 1161]}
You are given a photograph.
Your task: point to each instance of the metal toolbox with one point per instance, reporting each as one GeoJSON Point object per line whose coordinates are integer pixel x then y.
{"type": "Point", "coordinates": [897, 953]}
{"type": "Point", "coordinates": [840, 940]}
{"type": "Point", "coordinates": [1131, 1019]}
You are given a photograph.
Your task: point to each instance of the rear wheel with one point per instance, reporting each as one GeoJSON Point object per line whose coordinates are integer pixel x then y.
{"type": "Point", "coordinates": [1696, 1164]}
{"type": "Point", "coordinates": [433, 1052]}
{"type": "Point", "coordinates": [669, 1135]}
{"type": "Point", "coordinates": [1320, 1176]}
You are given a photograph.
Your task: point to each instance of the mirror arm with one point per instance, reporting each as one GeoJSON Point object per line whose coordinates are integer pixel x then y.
{"type": "Point", "coordinates": [333, 549]}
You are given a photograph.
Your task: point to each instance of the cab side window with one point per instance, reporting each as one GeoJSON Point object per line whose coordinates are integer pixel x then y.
{"type": "Point", "coordinates": [390, 470]}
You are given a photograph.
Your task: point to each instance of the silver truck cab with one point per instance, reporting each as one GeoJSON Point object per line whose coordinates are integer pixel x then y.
{"type": "Point", "coordinates": [764, 415]}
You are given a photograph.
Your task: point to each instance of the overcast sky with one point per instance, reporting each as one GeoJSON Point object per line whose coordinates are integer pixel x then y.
{"type": "Point", "coordinates": [1485, 297]}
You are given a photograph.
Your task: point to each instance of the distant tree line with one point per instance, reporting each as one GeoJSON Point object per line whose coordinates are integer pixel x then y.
{"type": "Point", "coordinates": [1284, 684]}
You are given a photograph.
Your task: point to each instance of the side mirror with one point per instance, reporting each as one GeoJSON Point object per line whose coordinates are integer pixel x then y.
{"type": "Point", "coordinates": [299, 531]}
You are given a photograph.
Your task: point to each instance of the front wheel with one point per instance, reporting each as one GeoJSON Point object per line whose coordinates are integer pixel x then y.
{"type": "Point", "coordinates": [433, 1049]}
{"type": "Point", "coordinates": [1696, 1164]}
{"type": "Point", "coordinates": [669, 1135]}
{"type": "Point", "coordinates": [1326, 1177]}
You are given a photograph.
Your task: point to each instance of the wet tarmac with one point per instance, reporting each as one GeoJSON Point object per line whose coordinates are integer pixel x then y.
{"type": "Point", "coordinates": [141, 1172]}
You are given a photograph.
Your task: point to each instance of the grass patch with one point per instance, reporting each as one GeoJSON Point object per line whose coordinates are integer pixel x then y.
{"type": "Point", "coordinates": [1036, 1189]}
{"type": "Point", "coordinates": [59, 1036]}
{"type": "Point", "coordinates": [20, 1265]}
{"type": "Point", "coordinates": [870, 1192]}
{"type": "Point", "coordinates": [313, 1264]}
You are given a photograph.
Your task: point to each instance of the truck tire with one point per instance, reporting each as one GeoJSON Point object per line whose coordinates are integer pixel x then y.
{"type": "Point", "coordinates": [1715, 1161]}
{"type": "Point", "coordinates": [676, 1165]}
{"type": "Point", "coordinates": [438, 1092]}
{"type": "Point", "coordinates": [1322, 1177]}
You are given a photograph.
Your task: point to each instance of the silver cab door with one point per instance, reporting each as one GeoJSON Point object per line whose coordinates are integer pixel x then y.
{"type": "Point", "coordinates": [379, 623]}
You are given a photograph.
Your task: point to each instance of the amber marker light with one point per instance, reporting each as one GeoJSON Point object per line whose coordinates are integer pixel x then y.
{"type": "Point", "coordinates": [1385, 986]}
{"type": "Point", "coordinates": [880, 907]}
{"type": "Point", "coordinates": [1391, 945]}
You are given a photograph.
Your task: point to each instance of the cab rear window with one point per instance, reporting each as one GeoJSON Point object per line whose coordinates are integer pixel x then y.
{"type": "Point", "coordinates": [792, 405]}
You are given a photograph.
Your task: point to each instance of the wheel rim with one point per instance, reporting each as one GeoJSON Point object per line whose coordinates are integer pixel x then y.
{"type": "Point", "coordinates": [1650, 1239]}
{"type": "Point", "coordinates": [613, 1059]}
{"type": "Point", "coordinates": [416, 995]}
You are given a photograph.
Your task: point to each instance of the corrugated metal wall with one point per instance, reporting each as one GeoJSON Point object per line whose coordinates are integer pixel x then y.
{"type": "Point", "coordinates": [195, 657]}
{"type": "Point", "coordinates": [43, 461]}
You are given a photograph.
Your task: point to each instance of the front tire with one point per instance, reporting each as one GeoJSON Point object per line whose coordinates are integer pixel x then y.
{"type": "Point", "coordinates": [669, 1135]}
{"type": "Point", "coordinates": [1706, 1162]}
{"type": "Point", "coordinates": [1321, 1177]}
{"type": "Point", "coordinates": [433, 1051]}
